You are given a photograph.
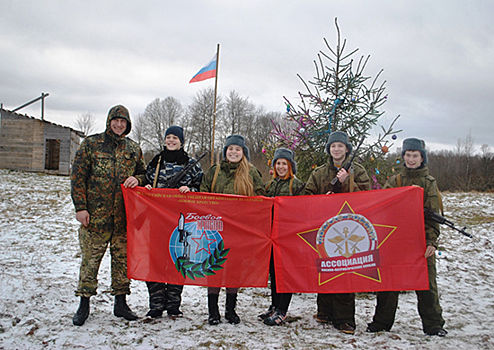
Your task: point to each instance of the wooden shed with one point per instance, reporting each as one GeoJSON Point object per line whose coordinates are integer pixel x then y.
{"type": "Point", "coordinates": [31, 144]}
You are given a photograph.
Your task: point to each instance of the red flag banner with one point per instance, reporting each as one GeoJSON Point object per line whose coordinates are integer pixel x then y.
{"type": "Point", "coordinates": [352, 242]}
{"type": "Point", "coordinates": [198, 238]}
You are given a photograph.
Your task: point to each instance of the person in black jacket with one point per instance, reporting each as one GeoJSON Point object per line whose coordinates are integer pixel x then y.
{"type": "Point", "coordinates": [166, 296]}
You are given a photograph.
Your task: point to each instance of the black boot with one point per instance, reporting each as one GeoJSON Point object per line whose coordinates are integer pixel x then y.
{"type": "Point", "coordinates": [214, 312]}
{"type": "Point", "coordinates": [82, 312]}
{"type": "Point", "coordinates": [230, 314]}
{"type": "Point", "coordinates": [121, 308]}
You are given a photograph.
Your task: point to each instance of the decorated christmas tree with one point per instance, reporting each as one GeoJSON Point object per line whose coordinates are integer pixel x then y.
{"type": "Point", "coordinates": [339, 97]}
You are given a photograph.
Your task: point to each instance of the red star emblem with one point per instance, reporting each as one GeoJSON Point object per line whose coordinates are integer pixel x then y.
{"type": "Point", "coordinates": [383, 233]}
{"type": "Point", "coordinates": [203, 242]}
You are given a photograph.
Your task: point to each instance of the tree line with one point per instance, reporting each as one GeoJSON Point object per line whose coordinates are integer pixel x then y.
{"type": "Point", "coordinates": [235, 114]}
{"type": "Point", "coordinates": [461, 169]}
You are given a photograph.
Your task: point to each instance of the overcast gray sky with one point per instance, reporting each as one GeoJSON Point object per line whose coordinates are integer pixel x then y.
{"type": "Point", "coordinates": [437, 56]}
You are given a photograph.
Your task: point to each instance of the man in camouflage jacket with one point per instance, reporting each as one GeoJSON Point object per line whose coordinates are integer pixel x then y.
{"type": "Point", "coordinates": [338, 308]}
{"type": "Point", "coordinates": [416, 173]}
{"type": "Point", "coordinates": [102, 163]}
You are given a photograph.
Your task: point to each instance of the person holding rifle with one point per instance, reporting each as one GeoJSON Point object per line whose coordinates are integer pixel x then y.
{"type": "Point", "coordinates": [338, 175]}
{"type": "Point", "coordinates": [162, 172]}
{"type": "Point", "coordinates": [416, 173]}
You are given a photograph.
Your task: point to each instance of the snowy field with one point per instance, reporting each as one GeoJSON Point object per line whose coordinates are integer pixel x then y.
{"type": "Point", "coordinates": [39, 262]}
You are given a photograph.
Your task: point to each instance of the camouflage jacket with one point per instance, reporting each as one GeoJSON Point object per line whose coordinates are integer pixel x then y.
{"type": "Point", "coordinates": [168, 170]}
{"type": "Point", "coordinates": [101, 165]}
{"type": "Point", "coordinates": [226, 178]}
{"type": "Point", "coordinates": [420, 177]}
{"type": "Point", "coordinates": [320, 179]}
{"type": "Point", "coordinates": [279, 187]}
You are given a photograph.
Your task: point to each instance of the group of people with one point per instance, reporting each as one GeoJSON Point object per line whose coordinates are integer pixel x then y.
{"type": "Point", "coordinates": [107, 160]}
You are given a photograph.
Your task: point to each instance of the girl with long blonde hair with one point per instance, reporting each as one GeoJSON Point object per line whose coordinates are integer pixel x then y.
{"type": "Point", "coordinates": [234, 175]}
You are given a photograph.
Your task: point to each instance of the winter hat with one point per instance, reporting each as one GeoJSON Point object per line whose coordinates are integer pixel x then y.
{"type": "Point", "coordinates": [238, 140]}
{"type": "Point", "coordinates": [338, 136]}
{"type": "Point", "coordinates": [287, 154]}
{"type": "Point", "coordinates": [413, 144]}
{"type": "Point", "coordinates": [178, 131]}
{"type": "Point", "coordinates": [119, 111]}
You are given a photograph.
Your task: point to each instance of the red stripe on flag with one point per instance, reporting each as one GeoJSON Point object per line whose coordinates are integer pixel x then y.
{"type": "Point", "coordinates": [203, 76]}
{"type": "Point", "coordinates": [206, 72]}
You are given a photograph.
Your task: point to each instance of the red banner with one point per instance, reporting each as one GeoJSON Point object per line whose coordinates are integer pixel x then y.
{"type": "Point", "coordinates": [352, 242]}
{"type": "Point", "coordinates": [363, 241]}
{"type": "Point", "coordinates": [198, 238]}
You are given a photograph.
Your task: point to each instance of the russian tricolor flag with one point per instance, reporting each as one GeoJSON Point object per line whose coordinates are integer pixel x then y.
{"type": "Point", "coordinates": [206, 72]}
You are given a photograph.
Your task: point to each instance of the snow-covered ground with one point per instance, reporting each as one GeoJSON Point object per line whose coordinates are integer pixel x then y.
{"type": "Point", "coordinates": [39, 262]}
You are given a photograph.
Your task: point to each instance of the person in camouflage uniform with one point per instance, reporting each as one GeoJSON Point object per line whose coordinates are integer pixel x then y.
{"type": "Point", "coordinates": [102, 163]}
{"type": "Point", "coordinates": [166, 296]}
{"type": "Point", "coordinates": [416, 173]}
{"type": "Point", "coordinates": [338, 308]}
{"type": "Point", "coordinates": [283, 183]}
{"type": "Point", "coordinates": [234, 175]}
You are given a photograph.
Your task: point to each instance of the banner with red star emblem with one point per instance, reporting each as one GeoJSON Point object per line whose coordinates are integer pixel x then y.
{"type": "Point", "coordinates": [351, 242]}
{"type": "Point", "coordinates": [198, 238]}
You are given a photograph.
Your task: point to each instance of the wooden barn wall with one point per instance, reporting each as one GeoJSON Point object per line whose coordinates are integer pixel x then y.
{"type": "Point", "coordinates": [23, 143]}
{"type": "Point", "coordinates": [18, 142]}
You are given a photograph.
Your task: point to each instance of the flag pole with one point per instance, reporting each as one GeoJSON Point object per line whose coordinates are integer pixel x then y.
{"type": "Point", "coordinates": [214, 103]}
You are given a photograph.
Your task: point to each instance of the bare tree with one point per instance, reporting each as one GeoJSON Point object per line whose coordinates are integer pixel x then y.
{"type": "Point", "coordinates": [465, 147]}
{"type": "Point", "coordinates": [235, 114]}
{"type": "Point", "coordinates": [200, 120]}
{"type": "Point", "coordinates": [86, 123]}
{"type": "Point", "coordinates": [486, 153]}
{"type": "Point", "coordinates": [465, 152]}
{"type": "Point", "coordinates": [138, 129]}
{"type": "Point", "coordinates": [173, 111]}
{"type": "Point", "coordinates": [158, 116]}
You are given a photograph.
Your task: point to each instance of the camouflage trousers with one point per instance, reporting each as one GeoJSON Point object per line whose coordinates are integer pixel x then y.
{"type": "Point", "coordinates": [93, 247]}
{"type": "Point", "coordinates": [428, 304]}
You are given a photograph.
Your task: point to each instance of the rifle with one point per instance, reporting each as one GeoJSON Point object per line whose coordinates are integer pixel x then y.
{"type": "Point", "coordinates": [443, 221]}
{"type": "Point", "coordinates": [349, 164]}
{"type": "Point", "coordinates": [178, 176]}
{"type": "Point", "coordinates": [299, 190]}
